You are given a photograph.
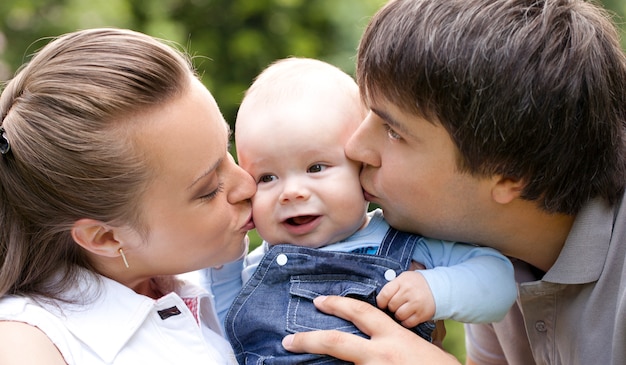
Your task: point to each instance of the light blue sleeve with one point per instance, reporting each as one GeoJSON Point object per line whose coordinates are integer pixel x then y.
{"type": "Point", "coordinates": [470, 284]}
{"type": "Point", "coordinates": [224, 283]}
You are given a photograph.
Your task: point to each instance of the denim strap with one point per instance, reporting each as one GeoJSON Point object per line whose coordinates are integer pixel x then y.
{"type": "Point", "coordinates": [399, 246]}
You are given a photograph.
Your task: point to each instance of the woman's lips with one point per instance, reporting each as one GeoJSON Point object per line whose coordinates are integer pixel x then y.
{"type": "Point", "coordinates": [249, 225]}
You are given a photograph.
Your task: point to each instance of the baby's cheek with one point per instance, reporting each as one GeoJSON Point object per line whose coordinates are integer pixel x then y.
{"type": "Point", "coordinates": [261, 206]}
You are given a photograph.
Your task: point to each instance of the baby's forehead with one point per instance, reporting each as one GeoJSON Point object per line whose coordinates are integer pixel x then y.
{"type": "Point", "coordinates": [330, 112]}
{"type": "Point", "coordinates": [302, 91]}
{"type": "Point", "coordinates": [266, 159]}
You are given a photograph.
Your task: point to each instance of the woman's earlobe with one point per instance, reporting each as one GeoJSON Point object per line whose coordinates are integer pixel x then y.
{"type": "Point", "coordinates": [506, 189]}
{"type": "Point", "coordinates": [96, 237]}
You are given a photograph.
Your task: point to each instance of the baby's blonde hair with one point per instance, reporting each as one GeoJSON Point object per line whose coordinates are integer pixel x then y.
{"type": "Point", "coordinates": [285, 77]}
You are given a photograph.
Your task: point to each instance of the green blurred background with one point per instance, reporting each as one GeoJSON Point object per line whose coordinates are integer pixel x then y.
{"type": "Point", "coordinates": [231, 41]}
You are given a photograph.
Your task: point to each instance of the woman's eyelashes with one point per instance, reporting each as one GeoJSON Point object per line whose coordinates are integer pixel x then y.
{"type": "Point", "coordinates": [213, 194]}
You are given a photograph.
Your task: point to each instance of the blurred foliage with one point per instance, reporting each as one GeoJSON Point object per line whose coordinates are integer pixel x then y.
{"type": "Point", "coordinates": [231, 41]}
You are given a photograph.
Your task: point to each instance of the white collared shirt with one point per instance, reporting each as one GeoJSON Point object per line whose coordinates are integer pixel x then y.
{"type": "Point", "coordinates": [115, 325]}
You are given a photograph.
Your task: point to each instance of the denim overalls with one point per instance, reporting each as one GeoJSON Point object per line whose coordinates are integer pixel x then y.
{"type": "Point", "coordinates": [277, 300]}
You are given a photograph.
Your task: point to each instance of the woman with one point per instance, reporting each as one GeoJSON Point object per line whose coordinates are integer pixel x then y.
{"type": "Point", "coordinates": [114, 176]}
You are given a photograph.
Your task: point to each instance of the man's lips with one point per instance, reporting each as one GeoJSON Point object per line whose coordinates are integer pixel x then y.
{"type": "Point", "coordinates": [369, 197]}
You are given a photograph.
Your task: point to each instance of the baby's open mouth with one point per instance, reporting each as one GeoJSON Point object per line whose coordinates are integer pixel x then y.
{"type": "Point", "coordinates": [300, 220]}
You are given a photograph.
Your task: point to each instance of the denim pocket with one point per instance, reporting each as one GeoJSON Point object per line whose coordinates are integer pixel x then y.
{"type": "Point", "coordinates": [301, 312]}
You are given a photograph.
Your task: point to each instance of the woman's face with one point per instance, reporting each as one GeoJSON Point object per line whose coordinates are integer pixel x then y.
{"type": "Point", "coordinates": [197, 208]}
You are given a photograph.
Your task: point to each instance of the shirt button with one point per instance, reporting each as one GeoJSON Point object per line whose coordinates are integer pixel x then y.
{"type": "Point", "coordinates": [390, 274]}
{"type": "Point", "coordinates": [281, 259]}
{"type": "Point", "coordinates": [540, 326]}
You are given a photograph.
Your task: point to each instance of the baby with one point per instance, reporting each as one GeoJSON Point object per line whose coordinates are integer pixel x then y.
{"type": "Point", "coordinates": [319, 238]}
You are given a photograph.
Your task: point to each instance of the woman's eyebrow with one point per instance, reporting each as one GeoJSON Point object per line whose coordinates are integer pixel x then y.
{"type": "Point", "coordinates": [206, 173]}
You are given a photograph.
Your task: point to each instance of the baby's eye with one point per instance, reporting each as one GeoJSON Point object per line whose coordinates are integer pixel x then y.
{"type": "Point", "coordinates": [391, 133]}
{"type": "Point", "coordinates": [317, 168]}
{"type": "Point", "coordinates": [266, 178]}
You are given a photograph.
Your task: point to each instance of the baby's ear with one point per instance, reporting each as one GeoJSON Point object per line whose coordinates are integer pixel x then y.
{"type": "Point", "coordinates": [96, 237]}
{"type": "Point", "coordinates": [506, 189]}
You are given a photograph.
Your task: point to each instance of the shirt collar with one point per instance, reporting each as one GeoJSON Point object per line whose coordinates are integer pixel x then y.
{"type": "Point", "coordinates": [585, 251]}
{"type": "Point", "coordinates": [109, 314]}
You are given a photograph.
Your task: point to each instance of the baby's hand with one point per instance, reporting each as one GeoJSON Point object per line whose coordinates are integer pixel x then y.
{"type": "Point", "coordinates": [409, 297]}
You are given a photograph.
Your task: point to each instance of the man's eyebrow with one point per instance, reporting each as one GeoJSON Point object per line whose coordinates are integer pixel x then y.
{"type": "Point", "coordinates": [206, 173]}
{"type": "Point", "coordinates": [391, 121]}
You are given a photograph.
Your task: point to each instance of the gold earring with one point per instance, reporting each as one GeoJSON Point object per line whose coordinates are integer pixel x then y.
{"type": "Point", "coordinates": [123, 258]}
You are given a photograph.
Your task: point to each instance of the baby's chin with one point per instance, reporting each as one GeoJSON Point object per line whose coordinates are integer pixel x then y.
{"type": "Point", "coordinates": [299, 241]}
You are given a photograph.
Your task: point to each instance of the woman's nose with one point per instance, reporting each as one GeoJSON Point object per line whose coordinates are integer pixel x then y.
{"type": "Point", "coordinates": [243, 185]}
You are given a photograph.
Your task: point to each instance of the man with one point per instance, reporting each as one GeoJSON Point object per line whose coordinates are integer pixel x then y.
{"type": "Point", "coordinates": [500, 123]}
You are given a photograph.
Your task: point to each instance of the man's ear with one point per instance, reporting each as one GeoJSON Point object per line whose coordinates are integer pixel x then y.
{"type": "Point", "coordinates": [506, 189]}
{"type": "Point", "coordinates": [96, 237]}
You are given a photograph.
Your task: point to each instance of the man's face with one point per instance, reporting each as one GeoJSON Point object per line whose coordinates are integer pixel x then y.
{"type": "Point", "coordinates": [410, 169]}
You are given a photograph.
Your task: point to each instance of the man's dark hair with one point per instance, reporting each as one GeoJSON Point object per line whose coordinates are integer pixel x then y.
{"type": "Point", "coordinates": [529, 89]}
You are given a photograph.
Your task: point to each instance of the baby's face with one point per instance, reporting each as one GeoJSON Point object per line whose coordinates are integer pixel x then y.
{"type": "Point", "coordinates": [308, 191]}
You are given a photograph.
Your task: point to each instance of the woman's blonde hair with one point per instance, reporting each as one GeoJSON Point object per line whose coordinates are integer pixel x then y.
{"type": "Point", "coordinates": [67, 115]}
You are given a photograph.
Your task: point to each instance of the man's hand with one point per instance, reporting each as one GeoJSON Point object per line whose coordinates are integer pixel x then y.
{"type": "Point", "coordinates": [389, 342]}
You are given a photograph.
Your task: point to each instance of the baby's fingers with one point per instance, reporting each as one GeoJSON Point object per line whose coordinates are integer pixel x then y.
{"type": "Point", "coordinates": [386, 293]}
